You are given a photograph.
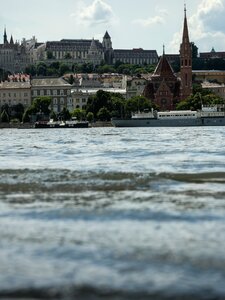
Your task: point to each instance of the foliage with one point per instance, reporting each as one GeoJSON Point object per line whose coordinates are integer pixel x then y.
{"type": "Point", "coordinates": [78, 113]}
{"type": "Point", "coordinates": [53, 116]}
{"type": "Point", "coordinates": [16, 111]}
{"type": "Point", "coordinates": [199, 97]}
{"type": "Point", "coordinates": [67, 56]}
{"type": "Point", "coordinates": [4, 75]}
{"type": "Point", "coordinates": [96, 102]}
{"type": "Point", "coordinates": [5, 117]}
{"type": "Point", "coordinates": [41, 105]}
{"type": "Point", "coordinates": [90, 116]}
{"type": "Point", "coordinates": [194, 50]}
{"type": "Point", "coordinates": [50, 55]}
{"type": "Point", "coordinates": [56, 68]}
{"type": "Point", "coordinates": [64, 114]}
{"type": "Point", "coordinates": [137, 103]}
{"type": "Point", "coordinates": [104, 114]}
{"type": "Point", "coordinates": [63, 69]}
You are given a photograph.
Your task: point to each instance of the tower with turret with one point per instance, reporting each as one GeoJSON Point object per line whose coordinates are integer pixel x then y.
{"type": "Point", "coordinates": [185, 61]}
{"type": "Point", "coordinates": [108, 50]}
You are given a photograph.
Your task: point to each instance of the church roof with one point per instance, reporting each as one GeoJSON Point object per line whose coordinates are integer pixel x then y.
{"type": "Point", "coordinates": [164, 68]}
{"type": "Point", "coordinates": [107, 36]}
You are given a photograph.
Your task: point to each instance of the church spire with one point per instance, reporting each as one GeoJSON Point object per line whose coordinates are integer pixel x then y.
{"type": "Point", "coordinates": [11, 40]}
{"type": "Point", "coordinates": [185, 29]}
{"type": "Point", "coordinates": [185, 60]}
{"type": "Point", "coordinates": [5, 41]}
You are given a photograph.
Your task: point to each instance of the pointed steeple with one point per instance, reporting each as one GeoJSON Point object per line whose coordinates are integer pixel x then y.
{"type": "Point", "coordinates": [107, 43]}
{"type": "Point", "coordinates": [185, 61]}
{"type": "Point", "coordinates": [185, 38]}
{"type": "Point", "coordinates": [106, 36]}
{"type": "Point", "coordinates": [11, 40]}
{"type": "Point", "coordinates": [5, 41]}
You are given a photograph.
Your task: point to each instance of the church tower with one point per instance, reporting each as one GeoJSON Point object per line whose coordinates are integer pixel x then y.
{"type": "Point", "coordinates": [108, 50]}
{"type": "Point", "coordinates": [185, 62]}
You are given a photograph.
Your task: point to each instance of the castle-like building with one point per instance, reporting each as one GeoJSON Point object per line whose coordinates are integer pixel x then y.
{"type": "Point", "coordinates": [14, 56]}
{"type": "Point", "coordinates": [96, 52]}
{"type": "Point", "coordinates": [164, 87]}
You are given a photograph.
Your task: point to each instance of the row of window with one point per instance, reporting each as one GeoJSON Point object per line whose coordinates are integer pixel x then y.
{"type": "Point", "coordinates": [50, 92]}
{"type": "Point", "coordinates": [136, 60]}
{"type": "Point", "coordinates": [14, 102]}
{"type": "Point", "coordinates": [14, 95]}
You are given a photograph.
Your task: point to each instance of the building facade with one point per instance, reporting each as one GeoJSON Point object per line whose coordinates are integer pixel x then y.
{"type": "Point", "coordinates": [56, 88]}
{"type": "Point", "coordinates": [14, 56]}
{"type": "Point", "coordinates": [135, 56]}
{"type": "Point", "coordinates": [16, 90]}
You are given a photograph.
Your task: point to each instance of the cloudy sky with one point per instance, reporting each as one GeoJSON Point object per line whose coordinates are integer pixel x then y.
{"type": "Point", "coordinates": [146, 24]}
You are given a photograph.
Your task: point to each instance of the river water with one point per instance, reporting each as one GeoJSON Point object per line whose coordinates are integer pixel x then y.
{"type": "Point", "coordinates": [111, 213]}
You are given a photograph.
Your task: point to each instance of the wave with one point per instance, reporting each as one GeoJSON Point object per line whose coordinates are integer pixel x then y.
{"type": "Point", "coordinates": [86, 292]}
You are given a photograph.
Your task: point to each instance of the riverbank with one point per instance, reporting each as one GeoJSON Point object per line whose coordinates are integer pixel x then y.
{"type": "Point", "coordinates": [31, 125]}
{"type": "Point", "coordinates": [16, 125]}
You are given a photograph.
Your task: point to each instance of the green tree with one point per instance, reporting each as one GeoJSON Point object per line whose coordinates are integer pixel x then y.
{"type": "Point", "coordinates": [78, 113]}
{"type": "Point", "coordinates": [96, 102]}
{"type": "Point", "coordinates": [67, 56]}
{"type": "Point", "coordinates": [194, 50]}
{"type": "Point", "coordinates": [42, 69]}
{"type": "Point", "coordinates": [50, 55]}
{"type": "Point", "coordinates": [5, 117]}
{"type": "Point", "coordinates": [41, 105]}
{"type": "Point", "coordinates": [17, 111]}
{"type": "Point", "coordinates": [137, 103]}
{"type": "Point", "coordinates": [26, 116]}
{"type": "Point", "coordinates": [63, 69]}
{"type": "Point", "coordinates": [65, 114]}
{"type": "Point", "coordinates": [31, 69]}
{"type": "Point", "coordinates": [53, 116]}
{"type": "Point", "coordinates": [90, 116]}
{"type": "Point", "coordinates": [104, 114]}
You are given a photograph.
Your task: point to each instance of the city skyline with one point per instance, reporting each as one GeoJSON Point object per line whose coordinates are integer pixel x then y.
{"type": "Point", "coordinates": [148, 25]}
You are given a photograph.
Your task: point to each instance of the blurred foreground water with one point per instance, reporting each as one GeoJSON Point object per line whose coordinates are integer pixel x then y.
{"type": "Point", "coordinates": [108, 213]}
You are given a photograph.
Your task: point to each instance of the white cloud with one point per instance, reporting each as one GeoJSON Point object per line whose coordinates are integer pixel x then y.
{"type": "Point", "coordinates": [206, 27]}
{"type": "Point", "coordinates": [99, 12]}
{"type": "Point", "coordinates": [156, 20]}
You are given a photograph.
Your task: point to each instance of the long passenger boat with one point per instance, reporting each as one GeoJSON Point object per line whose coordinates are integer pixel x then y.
{"type": "Point", "coordinates": [207, 116]}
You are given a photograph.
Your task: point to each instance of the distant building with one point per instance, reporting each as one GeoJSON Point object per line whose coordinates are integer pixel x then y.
{"type": "Point", "coordinates": [16, 90]}
{"type": "Point", "coordinates": [135, 86]}
{"type": "Point", "coordinates": [212, 54]}
{"type": "Point", "coordinates": [209, 75]}
{"type": "Point", "coordinates": [135, 56]}
{"type": "Point", "coordinates": [218, 89]}
{"type": "Point", "coordinates": [14, 56]}
{"type": "Point", "coordinates": [94, 51]}
{"type": "Point", "coordinates": [56, 88]}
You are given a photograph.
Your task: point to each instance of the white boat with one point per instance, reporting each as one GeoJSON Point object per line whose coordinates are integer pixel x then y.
{"type": "Point", "coordinates": [207, 116]}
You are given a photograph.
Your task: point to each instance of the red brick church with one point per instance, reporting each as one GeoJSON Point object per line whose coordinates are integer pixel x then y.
{"type": "Point", "coordinates": [165, 88]}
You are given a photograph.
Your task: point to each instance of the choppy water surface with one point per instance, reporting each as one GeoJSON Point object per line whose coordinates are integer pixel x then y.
{"type": "Point", "coordinates": [108, 213]}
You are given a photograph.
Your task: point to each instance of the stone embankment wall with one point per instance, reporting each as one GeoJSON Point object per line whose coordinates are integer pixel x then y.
{"type": "Point", "coordinates": [16, 125]}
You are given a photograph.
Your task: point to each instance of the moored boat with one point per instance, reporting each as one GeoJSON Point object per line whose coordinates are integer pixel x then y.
{"type": "Point", "coordinates": [207, 116]}
{"type": "Point", "coordinates": [62, 124]}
